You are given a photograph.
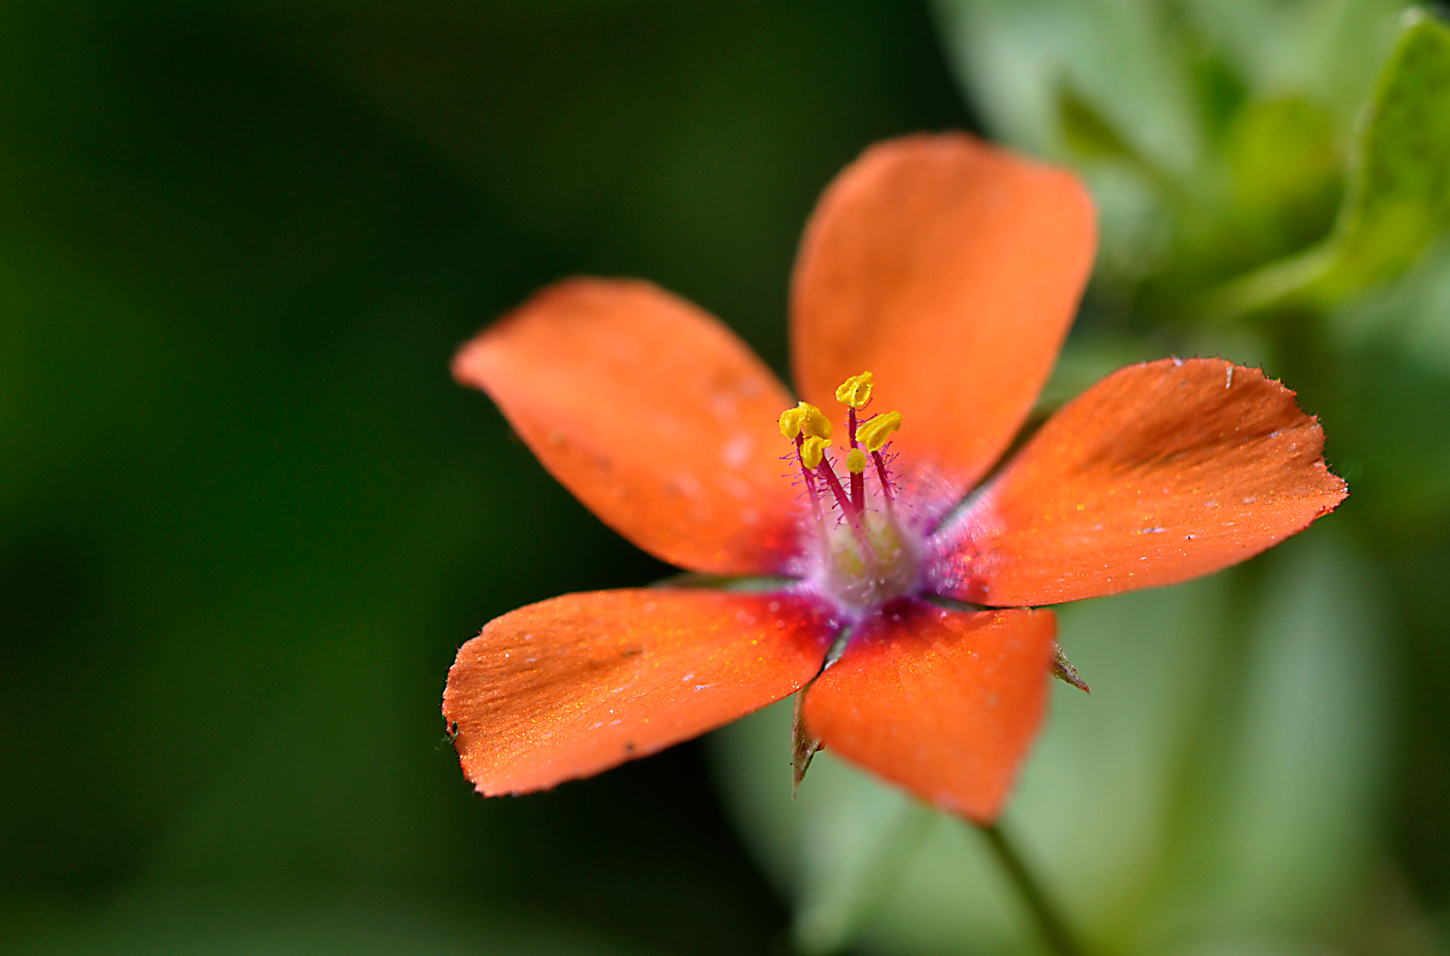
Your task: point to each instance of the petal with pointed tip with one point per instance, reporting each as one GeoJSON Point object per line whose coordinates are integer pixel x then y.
{"type": "Point", "coordinates": [577, 684]}
{"type": "Point", "coordinates": [1159, 473]}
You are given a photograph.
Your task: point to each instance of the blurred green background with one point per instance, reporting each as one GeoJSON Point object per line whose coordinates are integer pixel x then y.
{"type": "Point", "coordinates": [246, 517]}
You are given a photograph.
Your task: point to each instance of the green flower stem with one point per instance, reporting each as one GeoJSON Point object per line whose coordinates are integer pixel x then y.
{"type": "Point", "coordinates": [1267, 288]}
{"type": "Point", "coordinates": [1049, 919]}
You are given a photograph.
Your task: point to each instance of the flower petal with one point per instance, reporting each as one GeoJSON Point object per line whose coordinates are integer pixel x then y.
{"type": "Point", "coordinates": [951, 270]}
{"type": "Point", "coordinates": [652, 413]}
{"type": "Point", "coordinates": [577, 684]}
{"type": "Point", "coordinates": [943, 702]}
{"type": "Point", "coordinates": [1159, 473]}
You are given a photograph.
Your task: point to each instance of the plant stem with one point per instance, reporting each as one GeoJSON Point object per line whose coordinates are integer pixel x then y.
{"type": "Point", "coordinates": [1266, 288]}
{"type": "Point", "coordinates": [1049, 920]}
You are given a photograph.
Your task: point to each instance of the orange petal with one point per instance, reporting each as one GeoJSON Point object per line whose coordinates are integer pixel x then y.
{"type": "Point", "coordinates": [1159, 473]}
{"type": "Point", "coordinates": [577, 684]}
{"type": "Point", "coordinates": [943, 702]}
{"type": "Point", "coordinates": [952, 271]}
{"type": "Point", "coordinates": [652, 413]}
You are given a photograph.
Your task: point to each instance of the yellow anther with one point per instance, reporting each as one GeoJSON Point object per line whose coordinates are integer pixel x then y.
{"type": "Point", "coordinates": [855, 461]}
{"type": "Point", "coordinates": [817, 425]}
{"type": "Point", "coordinates": [812, 450]}
{"type": "Point", "coordinates": [791, 421]}
{"type": "Point", "coordinates": [874, 431]}
{"type": "Point", "coordinates": [807, 418]}
{"type": "Point", "coordinates": [856, 390]}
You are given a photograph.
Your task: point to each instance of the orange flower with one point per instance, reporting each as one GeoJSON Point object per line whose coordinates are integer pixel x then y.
{"type": "Point", "coordinates": [951, 270]}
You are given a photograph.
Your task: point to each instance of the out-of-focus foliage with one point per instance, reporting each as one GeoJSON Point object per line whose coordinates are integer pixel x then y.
{"type": "Point", "coordinates": [246, 517]}
{"type": "Point", "coordinates": [1215, 134]}
{"type": "Point", "coordinates": [192, 924]}
{"type": "Point", "coordinates": [1399, 190]}
{"type": "Point", "coordinates": [1398, 196]}
{"type": "Point", "coordinates": [1261, 767]}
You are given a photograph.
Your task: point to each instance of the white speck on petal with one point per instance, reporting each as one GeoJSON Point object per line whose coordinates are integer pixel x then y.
{"type": "Point", "coordinates": [734, 486]}
{"type": "Point", "coordinates": [688, 485]}
{"type": "Point", "coordinates": [736, 452]}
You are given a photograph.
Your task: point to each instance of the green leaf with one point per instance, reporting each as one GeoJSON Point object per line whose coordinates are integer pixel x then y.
{"type": "Point", "coordinates": [1392, 419]}
{"type": "Point", "coordinates": [1282, 795]}
{"type": "Point", "coordinates": [1286, 169]}
{"type": "Point", "coordinates": [1399, 198]}
{"type": "Point", "coordinates": [856, 849]}
{"type": "Point", "coordinates": [1120, 61]}
{"type": "Point", "coordinates": [840, 846]}
{"type": "Point", "coordinates": [1327, 51]}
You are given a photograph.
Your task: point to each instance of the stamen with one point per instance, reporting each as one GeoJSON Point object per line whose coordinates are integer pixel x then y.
{"type": "Point", "coordinates": [791, 421]}
{"type": "Point", "coordinates": [874, 431]}
{"type": "Point", "coordinates": [873, 558]}
{"type": "Point", "coordinates": [813, 449]}
{"type": "Point", "coordinates": [806, 418]}
{"type": "Point", "coordinates": [816, 424]}
{"type": "Point", "coordinates": [810, 479]}
{"type": "Point", "coordinates": [810, 429]}
{"type": "Point", "coordinates": [881, 476]}
{"type": "Point", "coordinates": [834, 483]}
{"type": "Point", "coordinates": [856, 390]}
{"type": "Point", "coordinates": [858, 480]}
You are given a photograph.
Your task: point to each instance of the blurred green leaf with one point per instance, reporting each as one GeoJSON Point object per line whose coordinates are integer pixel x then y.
{"type": "Point", "coordinates": [1411, 315]}
{"type": "Point", "coordinates": [1399, 197]}
{"type": "Point", "coordinates": [1084, 130]}
{"type": "Point", "coordinates": [856, 848]}
{"type": "Point", "coordinates": [1214, 135]}
{"type": "Point", "coordinates": [1122, 62]}
{"type": "Point", "coordinates": [1391, 419]}
{"type": "Point", "coordinates": [1282, 795]}
{"type": "Point", "coordinates": [1326, 51]}
{"type": "Point", "coordinates": [1285, 164]}
{"type": "Point", "coordinates": [1398, 200]}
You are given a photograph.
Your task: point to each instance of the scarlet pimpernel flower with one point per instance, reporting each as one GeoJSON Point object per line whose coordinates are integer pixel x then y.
{"type": "Point", "coordinates": [933, 289]}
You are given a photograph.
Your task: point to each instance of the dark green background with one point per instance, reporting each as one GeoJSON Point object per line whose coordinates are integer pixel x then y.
{"type": "Point", "coordinates": [246, 517]}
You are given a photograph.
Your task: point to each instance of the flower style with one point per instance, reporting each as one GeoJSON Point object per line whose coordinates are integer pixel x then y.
{"type": "Point", "coordinates": [950, 270]}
